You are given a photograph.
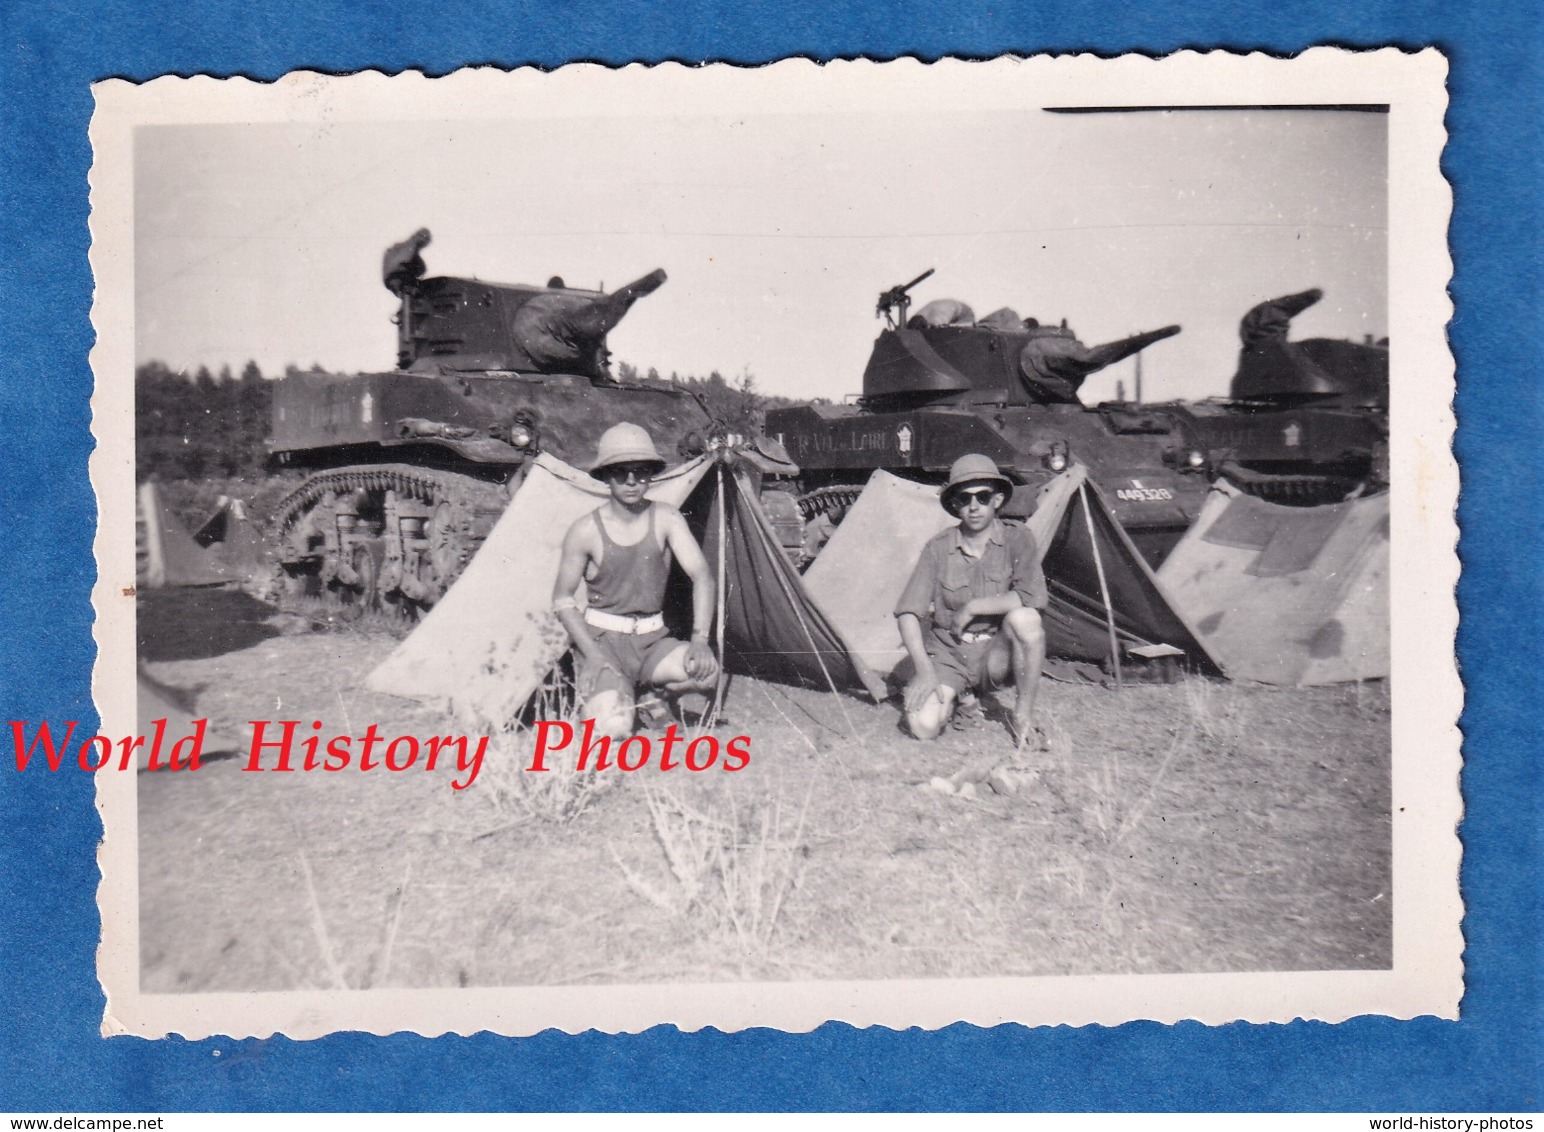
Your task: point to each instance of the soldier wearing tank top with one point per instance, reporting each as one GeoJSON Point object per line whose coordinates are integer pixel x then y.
{"type": "Point", "coordinates": [622, 551]}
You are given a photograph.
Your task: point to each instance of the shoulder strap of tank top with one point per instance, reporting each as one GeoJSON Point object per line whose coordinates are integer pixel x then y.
{"type": "Point", "coordinates": [604, 537]}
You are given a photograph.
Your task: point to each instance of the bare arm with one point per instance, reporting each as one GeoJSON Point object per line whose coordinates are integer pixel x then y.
{"type": "Point", "coordinates": [578, 550]}
{"type": "Point", "coordinates": [985, 607]}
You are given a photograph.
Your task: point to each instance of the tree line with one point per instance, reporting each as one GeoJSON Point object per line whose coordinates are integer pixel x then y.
{"type": "Point", "coordinates": [200, 426]}
{"type": "Point", "coordinates": [737, 401]}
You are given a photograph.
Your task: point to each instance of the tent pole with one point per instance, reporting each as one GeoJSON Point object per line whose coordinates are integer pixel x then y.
{"type": "Point", "coordinates": [723, 551]}
{"type": "Point", "coordinates": [782, 583]}
{"type": "Point", "coordinates": [1104, 588]}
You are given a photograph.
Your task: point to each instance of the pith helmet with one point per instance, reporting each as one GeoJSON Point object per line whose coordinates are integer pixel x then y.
{"type": "Point", "coordinates": [626, 444]}
{"type": "Point", "coordinates": [973, 468]}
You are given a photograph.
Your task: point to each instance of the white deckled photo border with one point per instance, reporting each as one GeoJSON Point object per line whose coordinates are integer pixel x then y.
{"type": "Point", "coordinates": [1427, 973]}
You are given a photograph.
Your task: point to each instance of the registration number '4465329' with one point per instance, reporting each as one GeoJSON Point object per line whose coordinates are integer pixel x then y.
{"type": "Point", "coordinates": [1143, 494]}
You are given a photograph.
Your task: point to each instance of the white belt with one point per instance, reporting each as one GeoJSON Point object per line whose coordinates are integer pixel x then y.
{"type": "Point", "coordinates": [616, 623]}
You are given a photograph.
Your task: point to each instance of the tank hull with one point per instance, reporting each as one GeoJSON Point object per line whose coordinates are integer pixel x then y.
{"type": "Point", "coordinates": [1301, 455]}
{"type": "Point", "coordinates": [410, 471]}
{"type": "Point", "coordinates": [469, 415]}
{"type": "Point", "coordinates": [1138, 456]}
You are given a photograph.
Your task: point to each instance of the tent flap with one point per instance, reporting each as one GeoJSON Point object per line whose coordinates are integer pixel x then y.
{"type": "Point", "coordinates": [166, 554]}
{"type": "Point", "coordinates": [773, 630]}
{"type": "Point", "coordinates": [1304, 601]}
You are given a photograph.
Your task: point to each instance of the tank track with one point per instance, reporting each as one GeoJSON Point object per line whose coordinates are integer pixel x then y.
{"type": "Point", "coordinates": [1296, 490]}
{"type": "Point", "coordinates": [823, 499]}
{"type": "Point", "coordinates": [388, 538]}
{"type": "Point", "coordinates": [793, 517]}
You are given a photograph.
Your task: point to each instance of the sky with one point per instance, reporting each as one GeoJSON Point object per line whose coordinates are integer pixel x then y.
{"type": "Point", "coordinates": [778, 231]}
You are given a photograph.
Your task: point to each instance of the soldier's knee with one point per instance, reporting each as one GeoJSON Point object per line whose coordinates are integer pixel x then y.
{"type": "Point", "coordinates": [1025, 624]}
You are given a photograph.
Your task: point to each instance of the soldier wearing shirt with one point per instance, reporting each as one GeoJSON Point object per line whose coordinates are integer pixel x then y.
{"type": "Point", "coordinates": [969, 616]}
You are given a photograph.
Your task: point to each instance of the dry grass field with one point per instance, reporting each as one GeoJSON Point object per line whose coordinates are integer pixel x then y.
{"type": "Point", "coordinates": [1196, 827]}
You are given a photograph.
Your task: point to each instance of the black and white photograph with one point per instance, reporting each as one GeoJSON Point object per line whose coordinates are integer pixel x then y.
{"type": "Point", "coordinates": [894, 543]}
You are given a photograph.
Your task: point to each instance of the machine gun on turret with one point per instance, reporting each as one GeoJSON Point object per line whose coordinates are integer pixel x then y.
{"type": "Point", "coordinates": [898, 296]}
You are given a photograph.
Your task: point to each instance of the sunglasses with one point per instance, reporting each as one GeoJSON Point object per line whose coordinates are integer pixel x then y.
{"type": "Point", "coordinates": [624, 473]}
{"type": "Point", "coordinates": [981, 495]}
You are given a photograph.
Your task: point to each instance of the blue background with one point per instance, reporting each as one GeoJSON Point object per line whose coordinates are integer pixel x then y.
{"type": "Point", "coordinates": [50, 1004]}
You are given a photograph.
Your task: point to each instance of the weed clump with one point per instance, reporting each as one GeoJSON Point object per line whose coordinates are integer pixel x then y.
{"type": "Point", "coordinates": [731, 869]}
{"type": "Point", "coordinates": [562, 792]}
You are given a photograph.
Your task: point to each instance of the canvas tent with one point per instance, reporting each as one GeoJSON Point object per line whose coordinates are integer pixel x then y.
{"type": "Point", "coordinates": [1287, 595]}
{"type": "Point", "coordinates": [165, 554]}
{"type": "Point", "coordinates": [865, 566]}
{"type": "Point", "coordinates": [230, 540]}
{"type": "Point", "coordinates": [773, 628]}
{"type": "Point", "coordinates": [492, 639]}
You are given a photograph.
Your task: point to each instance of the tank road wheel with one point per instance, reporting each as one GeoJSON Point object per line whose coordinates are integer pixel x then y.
{"type": "Point", "coordinates": [391, 537]}
{"type": "Point", "coordinates": [804, 523]}
{"type": "Point", "coordinates": [366, 592]}
{"type": "Point", "coordinates": [299, 582]}
{"type": "Point", "coordinates": [444, 546]}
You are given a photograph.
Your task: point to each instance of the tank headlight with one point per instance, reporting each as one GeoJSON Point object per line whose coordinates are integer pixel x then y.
{"type": "Point", "coordinates": [1058, 459]}
{"type": "Point", "coordinates": [521, 433]}
{"type": "Point", "coordinates": [1196, 459]}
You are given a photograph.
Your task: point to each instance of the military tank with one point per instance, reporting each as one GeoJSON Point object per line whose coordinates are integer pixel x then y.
{"type": "Point", "coordinates": [406, 472]}
{"type": "Point", "coordinates": [941, 383]}
{"type": "Point", "coordinates": [1304, 422]}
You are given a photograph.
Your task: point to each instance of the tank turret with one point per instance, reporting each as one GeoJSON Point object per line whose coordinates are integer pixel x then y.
{"type": "Point", "coordinates": [408, 470]}
{"type": "Point", "coordinates": [944, 355]}
{"type": "Point", "coordinates": [941, 382]}
{"type": "Point", "coordinates": [448, 323]}
{"type": "Point", "coordinates": [1324, 370]}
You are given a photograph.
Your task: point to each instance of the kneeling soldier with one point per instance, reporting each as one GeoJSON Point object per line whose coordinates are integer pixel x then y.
{"type": "Point", "coordinates": [970, 617]}
{"type": "Point", "coordinates": [622, 551]}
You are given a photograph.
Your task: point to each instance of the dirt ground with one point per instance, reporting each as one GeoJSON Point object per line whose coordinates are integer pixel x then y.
{"type": "Point", "coordinates": [1194, 827]}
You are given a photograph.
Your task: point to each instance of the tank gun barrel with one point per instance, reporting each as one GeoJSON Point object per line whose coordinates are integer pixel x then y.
{"type": "Point", "coordinates": [620, 301]}
{"type": "Point", "coordinates": [1271, 320]}
{"type": "Point", "coordinates": [1056, 364]}
{"type": "Point", "coordinates": [1111, 352]}
{"type": "Point", "coordinates": [898, 296]}
{"type": "Point", "coordinates": [588, 318]}
{"type": "Point", "coordinates": [638, 288]}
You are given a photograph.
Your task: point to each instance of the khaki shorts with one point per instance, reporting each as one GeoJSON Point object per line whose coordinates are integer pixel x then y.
{"type": "Point", "coordinates": [633, 657]}
{"type": "Point", "coordinates": [966, 664]}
